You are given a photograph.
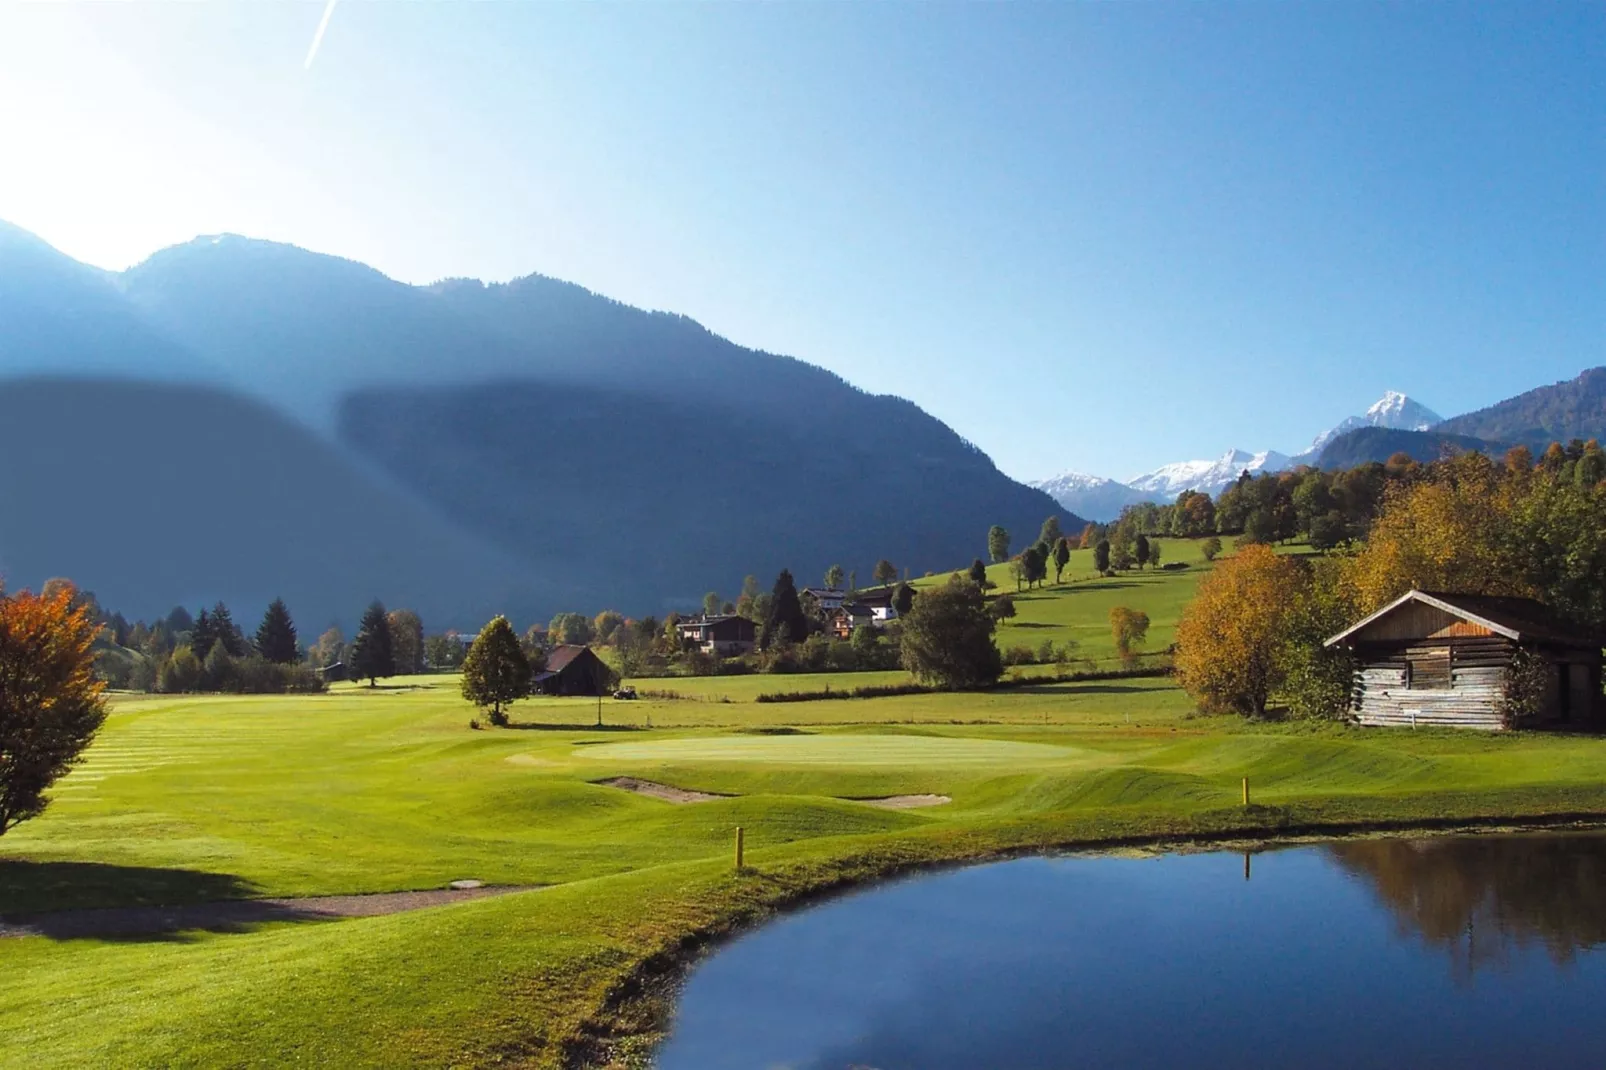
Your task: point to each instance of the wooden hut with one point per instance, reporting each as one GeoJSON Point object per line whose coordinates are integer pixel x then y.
{"type": "Point", "coordinates": [1444, 659]}
{"type": "Point", "coordinates": [573, 670]}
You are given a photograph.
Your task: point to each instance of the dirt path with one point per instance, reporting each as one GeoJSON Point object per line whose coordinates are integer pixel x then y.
{"type": "Point", "coordinates": [228, 915]}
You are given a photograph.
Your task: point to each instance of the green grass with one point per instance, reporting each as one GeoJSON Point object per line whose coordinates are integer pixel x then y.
{"type": "Point", "coordinates": [185, 799]}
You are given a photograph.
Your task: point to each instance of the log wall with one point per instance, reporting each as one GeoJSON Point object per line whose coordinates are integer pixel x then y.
{"type": "Point", "coordinates": [1453, 682]}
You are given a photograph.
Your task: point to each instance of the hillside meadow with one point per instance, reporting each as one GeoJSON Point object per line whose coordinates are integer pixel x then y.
{"type": "Point", "coordinates": [196, 798]}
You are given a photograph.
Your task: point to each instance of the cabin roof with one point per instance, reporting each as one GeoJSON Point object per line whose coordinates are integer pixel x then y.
{"type": "Point", "coordinates": [1518, 619]}
{"type": "Point", "coordinates": [564, 656]}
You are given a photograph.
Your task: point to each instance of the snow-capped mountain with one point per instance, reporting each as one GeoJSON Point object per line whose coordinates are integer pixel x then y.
{"type": "Point", "coordinates": [1209, 477]}
{"type": "Point", "coordinates": [1103, 499]}
{"type": "Point", "coordinates": [1093, 497]}
{"type": "Point", "coordinates": [1394, 410]}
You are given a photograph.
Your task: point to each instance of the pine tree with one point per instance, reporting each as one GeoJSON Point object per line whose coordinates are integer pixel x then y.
{"type": "Point", "coordinates": [227, 632]}
{"type": "Point", "coordinates": [276, 635]}
{"type": "Point", "coordinates": [202, 635]}
{"type": "Point", "coordinates": [1062, 557]}
{"type": "Point", "coordinates": [786, 622]}
{"type": "Point", "coordinates": [496, 671]}
{"type": "Point", "coordinates": [371, 656]}
{"type": "Point", "coordinates": [978, 574]}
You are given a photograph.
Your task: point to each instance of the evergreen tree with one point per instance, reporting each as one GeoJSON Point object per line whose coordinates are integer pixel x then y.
{"type": "Point", "coordinates": [202, 635]}
{"type": "Point", "coordinates": [786, 622]}
{"type": "Point", "coordinates": [225, 631]}
{"type": "Point", "coordinates": [1101, 556]}
{"type": "Point", "coordinates": [997, 544]}
{"type": "Point", "coordinates": [371, 654]}
{"type": "Point", "coordinates": [1062, 557]}
{"type": "Point", "coordinates": [1141, 550]}
{"type": "Point", "coordinates": [496, 672]}
{"type": "Point", "coordinates": [276, 635]}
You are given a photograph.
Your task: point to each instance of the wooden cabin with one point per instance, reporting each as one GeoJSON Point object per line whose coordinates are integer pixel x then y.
{"type": "Point", "coordinates": [1443, 659]}
{"type": "Point", "coordinates": [573, 670]}
{"type": "Point", "coordinates": [724, 636]}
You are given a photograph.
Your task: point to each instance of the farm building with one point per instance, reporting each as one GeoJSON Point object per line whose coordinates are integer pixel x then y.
{"type": "Point", "coordinates": [725, 636]}
{"type": "Point", "coordinates": [1448, 659]}
{"type": "Point", "coordinates": [573, 670]}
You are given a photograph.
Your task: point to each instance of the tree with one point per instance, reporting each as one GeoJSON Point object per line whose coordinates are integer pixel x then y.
{"type": "Point", "coordinates": [834, 577]}
{"type": "Point", "coordinates": [202, 635]}
{"type": "Point", "coordinates": [902, 599]}
{"type": "Point", "coordinates": [1051, 532]}
{"type": "Point", "coordinates": [444, 652]}
{"type": "Point", "coordinates": [1002, 607]}
{"type": "Point", "coordinates": [1034, 565]}
{"type": "Point", "coordinates": [1210, 548]}
{"type": "Point", "coordinates": [371, 655]}
{"type": "Point", "coordinates": [329, 650]}
{"type": "Point", "coordinates": [1154, 554]}
{"type": "Point", "coordinates": [711, 604]}
{"type": "Point", "coordinates": [607, 625]}
{"type": "Point", "coordinates": [948, 638]}
{"type": "Point", "coordinates": [406, 640]}
{"type": "Point", "coordinates": [1141, 550]}
{"type": "Point", "coordinates": [495, 672]}
{"type": "Point", "coordinates": [885, 574]}
{"type": "Point", "coordinates": [225, 631]}
{"type": "Point", "coordinates": [1062, 557]}
{"type": "Point", "coordinates": [276, 635]}
{"type": "Point", "coordinates": [1231, 636]}
{"type": "Point", "coordinates": [786, 622]}
{"type": "Point", "coordinates": [1090, 536]}
{"type": "Point", "coordinates": [569, 629]}
{"type": "Point", "coordinates": [1101, 556]}
{"type": "Point", "coordinates": [997, 544]}
{"type": "Point", "coordinates": [180, 672]}
{"type": "Point", "coordinates": [51, 704]}
{"type": "Point", "coordinates": [1129, 627]}
{"type": "Point", "coordinates": [978, 574]}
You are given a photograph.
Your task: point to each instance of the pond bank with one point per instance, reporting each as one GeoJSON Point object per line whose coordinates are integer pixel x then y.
{"type": "Point", "coordinates": [635, 1014]}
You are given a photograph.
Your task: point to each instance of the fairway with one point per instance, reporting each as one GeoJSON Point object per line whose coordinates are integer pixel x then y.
{"type": "Point", "coordinates": [834, 750]}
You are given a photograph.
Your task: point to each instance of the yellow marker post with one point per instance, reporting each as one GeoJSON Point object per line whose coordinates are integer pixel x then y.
{"type": "Point", "coordinates": [1246, 791]}
{"type": "Point", "coordinates": [738, 848]}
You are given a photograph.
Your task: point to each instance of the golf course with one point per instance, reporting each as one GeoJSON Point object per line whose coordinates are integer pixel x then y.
{"type": "Point", "coordinates": [617, 839]}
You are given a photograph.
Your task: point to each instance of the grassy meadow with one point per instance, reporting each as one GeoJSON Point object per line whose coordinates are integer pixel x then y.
{"type": "Point", "coordinates": [194, 798]}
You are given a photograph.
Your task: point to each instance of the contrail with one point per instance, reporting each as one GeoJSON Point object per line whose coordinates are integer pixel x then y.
{"type": "Point", "coordinates": [317, 38]}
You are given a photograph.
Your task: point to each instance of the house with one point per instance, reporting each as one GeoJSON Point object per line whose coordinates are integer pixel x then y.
{"type": "Point", "coordinates": [1443, 659]}
{"type": "Point", "coordinates": [724, 636]}
{"type": "Point", "coordinates": [879, 602]}
{"type": "Point", "coordinates": [851, 617]}
{"type": "Point", "coordinates": [573, 670]}
{"type": "Point", "coordinates": [829, 599]}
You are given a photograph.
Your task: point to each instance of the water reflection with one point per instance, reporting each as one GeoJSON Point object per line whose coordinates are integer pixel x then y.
{"type": "Point", "coordinates": [1480, 898]}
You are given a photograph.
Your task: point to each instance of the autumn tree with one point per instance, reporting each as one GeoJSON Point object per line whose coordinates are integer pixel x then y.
{"type": "Point", "coordinates": [406, 640]}
{"type": "Point", "coordinates": [947, 638]}
{"type": "Point", "coordinates": [495, 672]}
{"type": "Point", "coordinates": [371, 655]}
{"type": "Point", "coordinates": [834, 578]}
{"type": "Point", "coordinates": [885, 574]}
{"type": "Point", "coordinates": [1090, 537]}
{"type": "Point", "coordinates": [1231, 636]}
{"type": "Point", "coordinates": [607, 624]}
{"type": "Point", "coordinates": [569, 629]}
{"type": "Point", "coordinates": [1129, 627]}
{"type": "Point", "coordinates": [997, 544]}
{"type": "Point", "coordinates": [51, 704]}
{"type": "Point", "coordinates": [276, 635]}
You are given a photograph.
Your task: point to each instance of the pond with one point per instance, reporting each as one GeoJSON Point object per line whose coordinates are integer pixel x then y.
{"type": "Point", "coordinates": [1447, 951]}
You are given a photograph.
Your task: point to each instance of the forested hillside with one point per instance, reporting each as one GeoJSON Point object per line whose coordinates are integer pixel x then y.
{"type": "Point", "coordinates": [1369, 445]}
{"type": "Point", "coordinates": [1557, 413]}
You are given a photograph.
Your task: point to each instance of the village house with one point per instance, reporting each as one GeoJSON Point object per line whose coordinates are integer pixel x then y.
{"type": "Point", "coordinates": [725, 636]}
{"type": "Point", "coordinates": [879, 603]}
{"type": "Point", "coordinates": [1443, 659]}
{"type": "Point", "coordinates": [573, 670]}
{"type": "Point", "coordinates": [851, 617]}
{"type": "Point", "coordinates": [829, 599]}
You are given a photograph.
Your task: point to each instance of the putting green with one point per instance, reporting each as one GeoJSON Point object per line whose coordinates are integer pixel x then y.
{"type": "Point", "coordinates": [833, 750]}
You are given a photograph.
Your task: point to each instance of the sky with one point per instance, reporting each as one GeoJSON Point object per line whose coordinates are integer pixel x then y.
{"type": "Point", "coordinates": [1099, 237]}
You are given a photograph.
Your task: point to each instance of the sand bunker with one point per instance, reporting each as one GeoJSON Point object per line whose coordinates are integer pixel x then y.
{"type": "Point", "coordinates": [668, 793]}
{"type": "Point", "coordinates": [905, 802]}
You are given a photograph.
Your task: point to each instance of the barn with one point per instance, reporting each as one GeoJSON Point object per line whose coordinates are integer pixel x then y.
{"type": "Point", "coordinates": [573, 670]}
{"type": "Point", "coordinates": [1448, 659]}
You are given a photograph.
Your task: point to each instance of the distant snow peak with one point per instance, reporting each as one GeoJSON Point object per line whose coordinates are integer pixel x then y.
{"type": "Point", "coordinates": [1393, 410]}
{"type": "Point", "coordinates": [1208, 477]}
{"type": "Point", "coordinates": [1090, 497]}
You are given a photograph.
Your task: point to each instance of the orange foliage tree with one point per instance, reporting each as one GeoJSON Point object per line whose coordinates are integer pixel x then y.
{"type": "Point", "coordinates": [1232, 635]}
{"type": "Point", "coordinates": [51, 704]}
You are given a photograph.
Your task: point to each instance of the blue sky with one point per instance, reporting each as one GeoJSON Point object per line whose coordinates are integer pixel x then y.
{"type": "Point", "coordinates": [1093, 236]}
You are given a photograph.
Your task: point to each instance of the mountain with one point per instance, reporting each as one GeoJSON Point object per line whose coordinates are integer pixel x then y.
{"type": "Point", "coordinates": [153, 495]}
{"type": "Point", "coordinates": [1365, 445]}
{"type": "Point", "coordinates": [1093, 497]}
{"type": "Point", "coordinates": [616, 456]}
{"type": "Point", "coordinates": [1561, 412]}
{"type": "Point", "coordinates": [1208, 477]}
{"type": "Point", "coordinates": [1394, 411]}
